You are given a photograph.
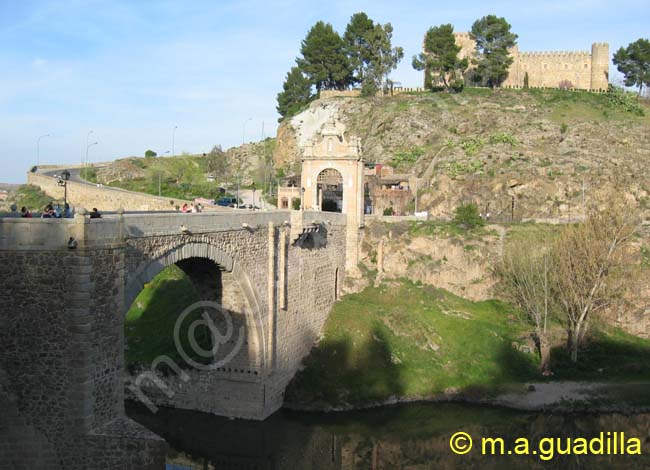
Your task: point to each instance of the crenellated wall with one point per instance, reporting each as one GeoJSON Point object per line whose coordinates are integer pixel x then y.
{"type": "Point", "coordinates": [581, 69]}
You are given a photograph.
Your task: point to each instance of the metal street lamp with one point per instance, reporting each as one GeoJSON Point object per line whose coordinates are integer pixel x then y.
{"type": "Point", "coordinates": [302, 199]}
{"type": "Point", "coordinates": [253, 195]}
{"type": "Point", "coordinates": [243, 134]}
{"type": "Point", "coordinates": [86, 166]}
{"type": "Point", "coordinates": [160, 176]}
{"type": "Point", "coordinates": [173, 140]}
{"type": "Point", "coordinates": [63, 181]}
{"type": "Point", "coordinates": [38, 148]}
{"type": "Point", "coordinates": [87, 140]}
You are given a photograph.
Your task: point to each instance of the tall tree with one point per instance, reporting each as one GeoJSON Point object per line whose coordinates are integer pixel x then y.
{"type": "Point", "coordinates": [493, 39]}
{"type": "Point", "coordinates": [217, 162]}
{"type": "Point", "coordinates": [383, 57]}
{"type": "Point", "coordinates": [525, 276]}
{"type": "Point", "coordinates": [296, 92]}
{"type": "Point", "coordinates": [633, 62]}
{"type": "Point", "coordinates": [324, 60]}
{"type": "Point", "coordinates": [440, 55]}
{"type": "Point", "coordinates": [588, 260]}
{"type": "Point", "coordinates": [356, 43]}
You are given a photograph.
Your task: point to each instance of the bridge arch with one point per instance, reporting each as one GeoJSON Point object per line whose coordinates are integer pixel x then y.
{"type": "Point", "coordinates": [235, 294]}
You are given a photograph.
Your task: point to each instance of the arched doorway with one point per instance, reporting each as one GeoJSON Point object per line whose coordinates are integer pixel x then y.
{"type": "Point", "coordinates": [330, 190]}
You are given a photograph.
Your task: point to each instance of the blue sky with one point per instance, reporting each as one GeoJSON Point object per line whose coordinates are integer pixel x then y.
{"type": "Point", "coordinates": [132, 70]}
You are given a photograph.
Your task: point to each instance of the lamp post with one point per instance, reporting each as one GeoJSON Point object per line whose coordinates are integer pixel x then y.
{"type": "Point", "coordinates": [63, 181]}
{"type": "Point", "coordinates": [86, 166]}
{"type": "Point", "coordinates": [237, 202]}
{"type": "Point", "coordinates": [87, 140]}
{"type": "Point", "coordinates": [243, 133]}
{"type": "Point", "coordinates": [173, 140]}
{"type": "Point", "coordinates": [38, 148]}
{"type": "Point", "coordinates": [253, 195]}
{"type": "Point", "coordinates": [302, 198]}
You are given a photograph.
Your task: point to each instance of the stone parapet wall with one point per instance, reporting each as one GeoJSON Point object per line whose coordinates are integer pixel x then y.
{"type": "Point", "coordinates": [104, 198]}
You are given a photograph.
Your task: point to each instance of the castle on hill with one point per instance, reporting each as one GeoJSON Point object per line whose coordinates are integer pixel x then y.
{"type": "Point", "coordinates": [581, 69]}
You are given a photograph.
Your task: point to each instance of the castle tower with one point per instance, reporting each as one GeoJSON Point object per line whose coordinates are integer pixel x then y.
{"type": "Point", "coordinates": [599, 66]}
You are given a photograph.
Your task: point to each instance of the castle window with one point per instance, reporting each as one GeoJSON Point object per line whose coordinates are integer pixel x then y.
{"type": "Point", "coordinates": [586, 66]}
{"type": "Point", "coordinates": [330, 145]}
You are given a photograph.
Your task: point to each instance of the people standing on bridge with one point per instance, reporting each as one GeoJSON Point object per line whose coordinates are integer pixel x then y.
{"type": "Point", "coordinates": [14, 211]}
{"type": "Point", "coordinates": [48, 212]}
{"type": "Point", "coordinates": [57, 211]}
{"type": "Point", "coordinates": [94, 214]}
{"type": "Point", "coordinates": [67, 211]}
{"type": "Point", "coordinates": [24, 213]}
{"type": "Point", "coordinates": [185, 208]}
{"type": "Point", "coordinates": [194, 209]}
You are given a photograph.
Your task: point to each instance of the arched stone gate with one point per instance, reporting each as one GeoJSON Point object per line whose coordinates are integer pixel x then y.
{"type": "Point", "coordinates": [331, 150]}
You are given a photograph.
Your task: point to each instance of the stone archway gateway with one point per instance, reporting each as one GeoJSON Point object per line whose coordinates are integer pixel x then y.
{"type": "Point", "coordinates": [332, 169]}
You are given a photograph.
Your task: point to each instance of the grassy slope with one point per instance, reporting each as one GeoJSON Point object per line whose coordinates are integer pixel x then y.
{"type": "Point", "coordinates": [184, 177]}
{"type": "Point", "coordinates": [150, 321]}
{"type": "Point", "coordinates": [404, 339]}
{"type": "Point", "coordinates": [31, 197]}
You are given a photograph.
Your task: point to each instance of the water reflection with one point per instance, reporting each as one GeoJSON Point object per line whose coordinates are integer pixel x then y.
{"type": "Point", "coordinates": [406, 437]}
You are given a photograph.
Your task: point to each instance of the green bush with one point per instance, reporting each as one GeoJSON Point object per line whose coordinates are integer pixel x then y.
{"type": "Point", "coordinates": [457, 85]}
{"type": "Point", "coordinates": [467, 216]}
{"type": "Point", "coordinates": [30, 196]}
{"type": "Point", "coordinates": [503, 138]}
{"type": "Point", "coordinates": [389, 211]}
{"type": "Point", "coordinates": [462, 168]}
{"type": "Point", "coordinates": [563, 128]}
{"type": "Point", "coordinates": [407, 157]}
{"type": "Point", "coordinates": [295, 204]}
{"type": "Point", "coordinates": [618, 98]}
{"type": "Point", "coordinates": [472, 145]}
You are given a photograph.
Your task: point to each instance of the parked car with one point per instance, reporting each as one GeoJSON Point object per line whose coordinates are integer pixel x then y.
{"type": "Point", "coordinates": [227, 202]}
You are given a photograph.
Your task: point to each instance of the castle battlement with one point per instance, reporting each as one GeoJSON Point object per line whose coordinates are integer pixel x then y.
{"type": "Point", "coordinates": [567, 54]}
{"type": "Point", "coordinates": [581, 70]}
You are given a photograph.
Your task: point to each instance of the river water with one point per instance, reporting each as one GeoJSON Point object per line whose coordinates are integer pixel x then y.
{"type": "Point", "coordinates": [407, 437]}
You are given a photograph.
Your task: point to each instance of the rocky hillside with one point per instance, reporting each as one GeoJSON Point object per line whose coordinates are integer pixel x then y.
{"type": "Point", "coordinates": [549, 151]}
{"type": "Point", "coordinates": [442, 255]}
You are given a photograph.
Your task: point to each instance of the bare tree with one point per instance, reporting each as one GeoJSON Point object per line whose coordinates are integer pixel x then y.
{"type": "Point", "coordinates": [588, 260]}
{"type": "Point", "coordinates": [526, 281]}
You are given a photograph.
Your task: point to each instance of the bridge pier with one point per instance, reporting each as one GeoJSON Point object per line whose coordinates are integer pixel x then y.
{"type": "Point", "coordinates": [62, 323]}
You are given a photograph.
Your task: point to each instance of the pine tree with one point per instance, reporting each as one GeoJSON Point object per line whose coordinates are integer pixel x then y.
{"type": "Point", "coordinates": [356, 44]}
{"type": "Point", "coordinates": [440, 56]}
{"type": "Point", "coordinates": [383, 57]}
{"type": "Point", "coordinates": [493, 41]}
{"type": "Point", "coordinates": [324, 60]}
{"type": "Point", "coordinates": [296, 93]}
{"type": "Point", "coordinates": [633, 62]}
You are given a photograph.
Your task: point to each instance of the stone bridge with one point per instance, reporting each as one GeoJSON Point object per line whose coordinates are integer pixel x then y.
{"type": "Point", "coordinates": [67, 285]}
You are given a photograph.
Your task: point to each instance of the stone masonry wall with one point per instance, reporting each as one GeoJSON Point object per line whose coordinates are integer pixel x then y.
{"type": "Point", "coordinates": [585, 70]}
{"type": "Point", "coordinates": [104, 198]}
{"type": "Point", "coordinates": [263, 265]}
{"type": "Point", "coordinates": [61, 352]}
